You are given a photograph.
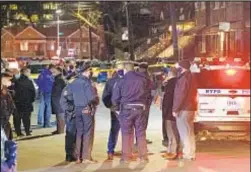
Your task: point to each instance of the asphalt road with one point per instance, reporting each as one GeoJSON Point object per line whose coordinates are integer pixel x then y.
{"type": "Point", "coordinates": [43, 152]}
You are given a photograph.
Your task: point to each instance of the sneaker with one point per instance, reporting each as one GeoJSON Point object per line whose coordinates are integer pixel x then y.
{"type": "Point", "coordinates": [110, 157]}
{"type": "Point", "coordinates": [89, 161]}
{"type": "Point", "coordinates": [165, 143]}
{"type": "Point", "coordinates": [144, 160]}
{"type": "Point", "coordinates": [28, 134]}
{"type": "Point", "coordinates": [123, 161]}
{"type": "Point", "coordinates": [170, 156]}
{"type": "Point", "coordinates": [148, 141]}
{"type": "Point", "coordinates": [20, 135]}
{"type": "Point", "coordinates": [78, 161]}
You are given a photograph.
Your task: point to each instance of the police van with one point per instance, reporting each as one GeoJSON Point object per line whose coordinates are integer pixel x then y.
{"type": "Point", "coordinates": [223, 97]}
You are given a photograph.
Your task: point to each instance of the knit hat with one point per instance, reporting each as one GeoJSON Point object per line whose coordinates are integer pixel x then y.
{"type": "Point", "coordinates": [84, 67]}
{"type": "Point", "coordinates": [143, 65]}
{"type": "Point", "coordinates": [185, 64]}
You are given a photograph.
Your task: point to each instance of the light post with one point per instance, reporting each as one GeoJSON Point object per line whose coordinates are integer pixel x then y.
{"type": "Point", "coordinates": [58, 12]}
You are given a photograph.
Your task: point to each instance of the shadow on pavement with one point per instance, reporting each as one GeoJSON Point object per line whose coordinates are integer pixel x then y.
{"type": "Point", "coordinates": [34, 137]}
{"type": "Point", "coordinates": [105, 167]}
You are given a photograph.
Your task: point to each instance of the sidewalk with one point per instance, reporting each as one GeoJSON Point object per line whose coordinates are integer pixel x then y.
{"type": "Point", "coordinates": [47, 154]}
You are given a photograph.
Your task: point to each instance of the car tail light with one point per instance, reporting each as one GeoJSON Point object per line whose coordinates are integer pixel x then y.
{"type": "Point", "coordinates": [230, 72]}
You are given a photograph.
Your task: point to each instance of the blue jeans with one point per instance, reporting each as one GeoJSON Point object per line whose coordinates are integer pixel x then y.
{"type": "Point", "coordinates": [85, 134]}
{"type": "Point", "coordinates": [114, 133]}
{"type": "Point", "coordinates": [44, 113]}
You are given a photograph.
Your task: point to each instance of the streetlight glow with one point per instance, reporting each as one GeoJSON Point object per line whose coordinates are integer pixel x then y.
{"type": "Point", "coordinates": [59, 11]}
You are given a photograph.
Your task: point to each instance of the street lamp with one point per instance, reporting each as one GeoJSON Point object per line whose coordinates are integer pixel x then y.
{"type": "Point", "coordinates": [58, 12]}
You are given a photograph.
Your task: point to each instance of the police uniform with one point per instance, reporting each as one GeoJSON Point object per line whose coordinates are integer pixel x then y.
{"type": "Point", "coordinates": [85, 101]}
{"type": "Point", "coordinates": [66, 102]}
{"type": "Point", "coordinates": [130, 98]}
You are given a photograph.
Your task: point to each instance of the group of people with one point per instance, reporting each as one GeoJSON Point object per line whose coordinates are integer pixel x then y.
{"type": "Point", "coordinates": [128, 95]}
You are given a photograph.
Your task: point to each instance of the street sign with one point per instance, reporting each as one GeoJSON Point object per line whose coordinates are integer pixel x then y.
{"type": "Point", "coordinates": [71, 52]}
{"type": "Point", "coordinates": [61, 33]}
{"type": "Point", "coordinates": [224, 26]}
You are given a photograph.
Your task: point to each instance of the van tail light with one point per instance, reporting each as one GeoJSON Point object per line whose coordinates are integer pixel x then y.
{"type": "Point", "coordinates": [230, 72]}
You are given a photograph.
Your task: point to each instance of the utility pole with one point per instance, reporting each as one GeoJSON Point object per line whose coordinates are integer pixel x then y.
{"type": "Point", "coordinates": [174, 30]}
{"type": "Point", "coordinates": [129, 27]}
{"type": "Point", "coordinates": [90, 42]}
{"type": "Point", "coordinates": [80, 40]}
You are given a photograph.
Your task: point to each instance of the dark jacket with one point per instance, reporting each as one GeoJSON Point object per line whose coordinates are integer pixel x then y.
{"type": "Point", "coordinates": [45, 81]}
{"type": "Point", "coordinates": [132, 89]}
{"type": "Point", "coordinates": [24, 94]}
{"type": "Point", "coordinates": [58, 86]}
{"type": "Point", "coordinates": [7, 107]}
{"type": "Point", "coordinates": [82, 91]}
{"type": "Point", "coordinates": [185, 93]}
{"type": "Point", "coordinates": [167, 104]}
{"type": "Point", "coordinates": [67, 104]}
{"type": "Point", "coordinates": [107, 93]}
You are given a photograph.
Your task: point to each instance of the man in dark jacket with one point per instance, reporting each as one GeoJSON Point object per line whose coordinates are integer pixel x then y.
{"type": "Point", "coordinates": [107, 100]}
{"type": "Point", "coordinates": [45, 83]}
{"type": "Point", "coordinates": [24, 97]}
{"type": "Point", "coordinates": [167, 115]}
{"type": "Point", "coordinates": [85, 101]}
{"type": "Point", "coordinates": [66, 102]}
{"type": "Point", "coordinates": [184, 107]}
{"type": "Point", "coordinates": [143, 68]}
{"type": "Point", "coordinates": [58, 86]}
{"type": "Point", "coordinates": [130, 97]}
{"type": "Point", "coordinates": [7, 105]}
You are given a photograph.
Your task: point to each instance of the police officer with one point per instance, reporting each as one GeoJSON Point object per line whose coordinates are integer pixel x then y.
{"type": "Point", "coordinates": [107, 95]}
{"type": "Point", "coordinates": [66, 102]}
{"type": "Point", "coordinates": [85, 101]}
{"type": "Point", "coordinates": [130, 98]}
{"type": "Point", "coordinates": [143, 68]}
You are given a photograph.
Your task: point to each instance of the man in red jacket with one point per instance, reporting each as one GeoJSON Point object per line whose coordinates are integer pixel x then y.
{"type": "Point", "coordinates": [184, 107]}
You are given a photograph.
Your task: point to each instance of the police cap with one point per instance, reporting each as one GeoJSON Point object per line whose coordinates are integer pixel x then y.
{"type": "Point", "coordinates": [143, 65]}
{"type": "Point", "coordinates": [84, 67]}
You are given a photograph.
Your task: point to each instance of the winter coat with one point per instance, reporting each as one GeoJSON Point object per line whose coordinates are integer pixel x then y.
{"type": "Point", "coordinates": [167, 103]}
{"type": "Point", "coordinates": [45, 81]}
{"type": "Point", "coordinates": [185, 93]}
{"type": "Point", "coordinates": [107, 93]}
{"type": "Point", "coordinates": [58, 86]}
{"type": "Point", "coordinates": [7, 107]}
{"type": "Point", "coordinates": [25, 94]}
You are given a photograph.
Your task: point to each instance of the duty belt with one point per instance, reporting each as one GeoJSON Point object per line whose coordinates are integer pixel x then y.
{"type": "Point", "coordinates": [134, 106]}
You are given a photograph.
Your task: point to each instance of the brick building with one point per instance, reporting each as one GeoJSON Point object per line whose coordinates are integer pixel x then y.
{"type": "Point", "coordinates": [231, 38]}
{"type": "Point", "coordinates": [42, 42]}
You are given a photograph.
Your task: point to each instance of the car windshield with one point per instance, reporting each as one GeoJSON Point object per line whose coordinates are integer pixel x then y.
{"type": "Point", "coordinates": [37, 68]}
{"type": "Point", "coordinates": [223, 79]}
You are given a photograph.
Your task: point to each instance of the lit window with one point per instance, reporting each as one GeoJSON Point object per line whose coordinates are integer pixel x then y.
{"type": "Point", "coordinates": [53, 6]}
{"type": "Point", "coordinates": [48, 16]}
{"type": "Point", "coordinates": [216, 5]}
{"type": "Point", "coordinates": [34, 18]}
{"type": "Point", "coordinates": [46, 6]}
{"type": "Point", "coordinates": [197, 6]}
{"type": "Point", "coordinates": [203, 45]}
{"type": "Point", "coordinates": [52, 48]}
{"type": "Point", "coordinates": [24, 46]}
{"type": "Point", "coordinates": [13, 6]}
{"type": "Point", "coordinates": [203, 5]}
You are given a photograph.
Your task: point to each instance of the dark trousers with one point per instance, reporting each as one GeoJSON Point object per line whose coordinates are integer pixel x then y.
{"type": "Point", "coordinates": [164, 134]}
{"type": "Point", "coordinates": [8, 131]}
{"type": "Point", "coordinates": [85, 134]}
{"type": "Point", "coordinates": [17, 122]}
{"type": "Point", "coordinates": [25, 117]}
{"type": "Point", "coordinates": [60, 123]}
{"type": "Point", "coordinates": [70, 138]}
{"type": "Point", "coordinates": [114, 132]}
